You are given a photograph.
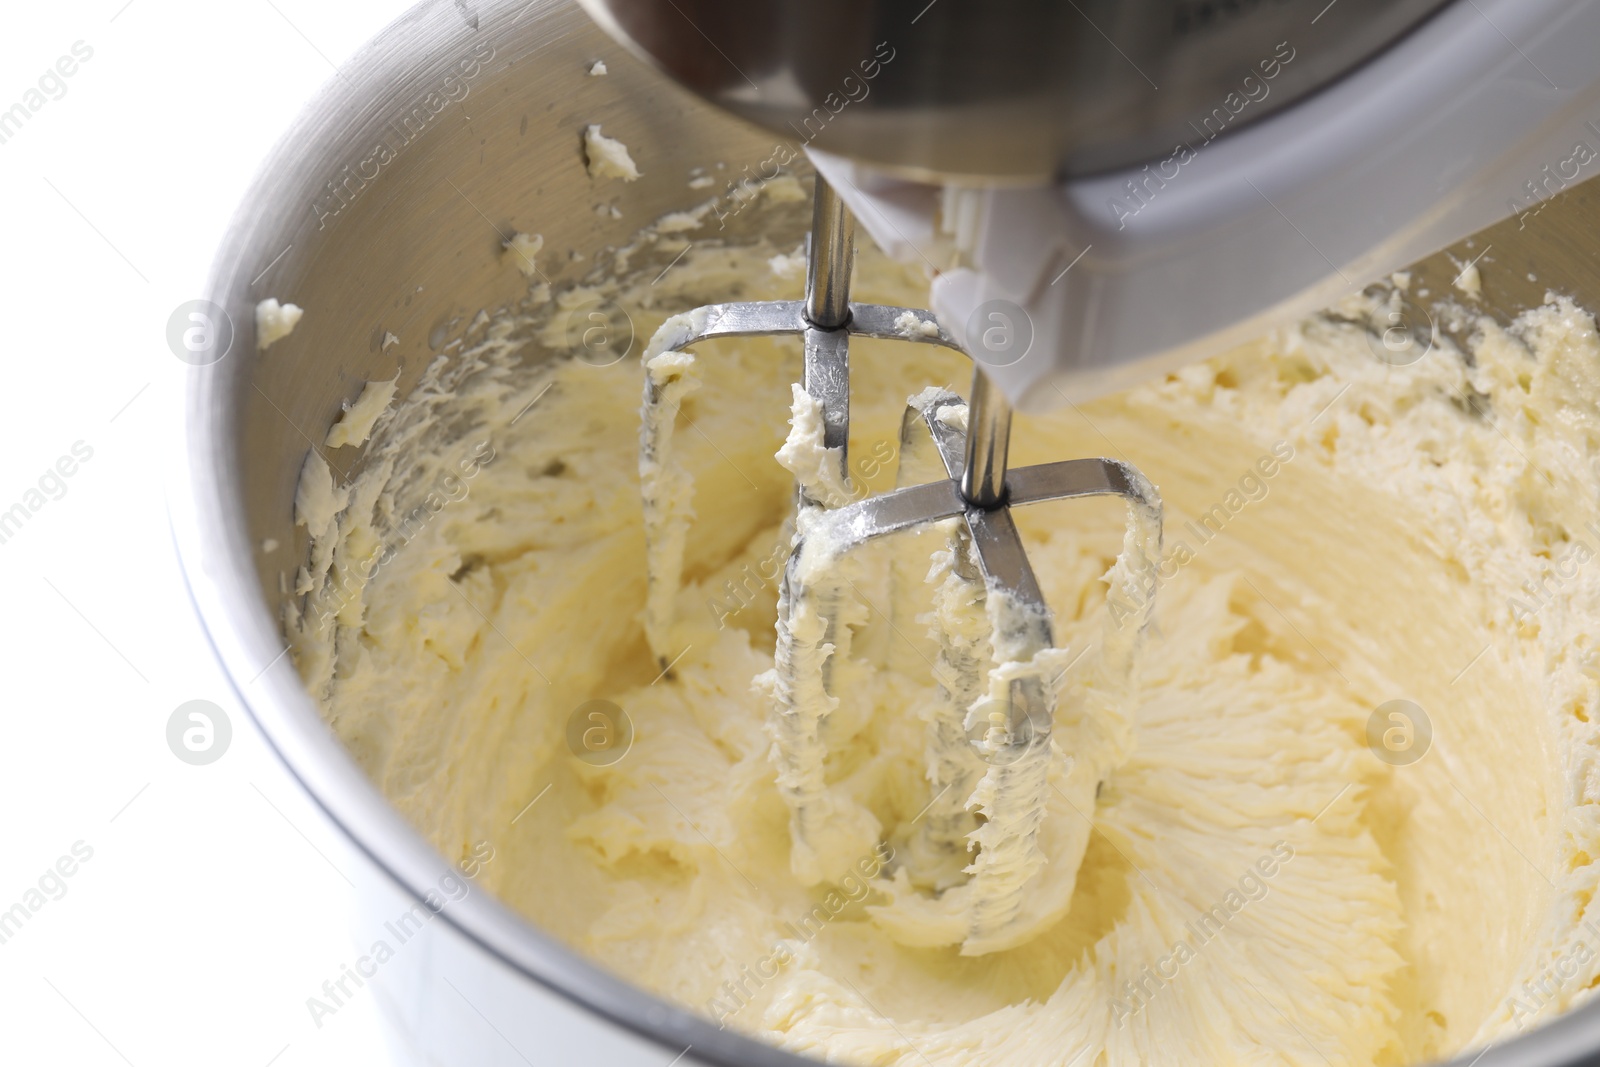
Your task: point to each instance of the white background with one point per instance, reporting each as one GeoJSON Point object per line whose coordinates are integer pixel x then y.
{"type": "Point", "coordinates": [211, 908]}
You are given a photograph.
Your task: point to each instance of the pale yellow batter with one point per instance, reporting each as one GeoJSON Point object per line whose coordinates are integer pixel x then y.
{"type": "Point", "coordinates": [1256, 885]}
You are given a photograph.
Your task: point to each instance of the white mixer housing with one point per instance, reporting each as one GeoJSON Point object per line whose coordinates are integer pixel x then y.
{"type": "Point", "coordinates": [1482, 112]}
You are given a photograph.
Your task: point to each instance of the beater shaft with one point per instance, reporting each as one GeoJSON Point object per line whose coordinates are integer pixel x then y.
{"type": "Point", "coordinates": [826, 377]}
{"type": "Point", "coordinates": [826, 309]}
{"type": "Point", "coordinates": [831, 259]}
{"type": "Point", "coordinates": [988, 441]}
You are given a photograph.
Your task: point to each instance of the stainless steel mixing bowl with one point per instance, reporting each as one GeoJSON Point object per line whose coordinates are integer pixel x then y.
{"type": "Point", "coordinates": [383, 211]}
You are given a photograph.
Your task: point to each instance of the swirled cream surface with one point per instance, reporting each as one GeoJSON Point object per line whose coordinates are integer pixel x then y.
{"type": "Point", "coordinates": [1348, 813]}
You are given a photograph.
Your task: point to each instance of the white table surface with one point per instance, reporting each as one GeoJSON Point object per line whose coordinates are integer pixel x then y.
{"type": "Point", "coordinates": [208, 912]}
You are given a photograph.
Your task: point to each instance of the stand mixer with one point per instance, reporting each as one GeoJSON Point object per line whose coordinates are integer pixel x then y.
{"type": "Point", "coordinates": [987, 131]}
{"type": "Point", "coordinates": [1150, 182]}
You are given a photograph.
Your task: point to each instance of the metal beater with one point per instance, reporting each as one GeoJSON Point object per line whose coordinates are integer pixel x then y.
{"type": "Point", "coordinates": [1010, 730]}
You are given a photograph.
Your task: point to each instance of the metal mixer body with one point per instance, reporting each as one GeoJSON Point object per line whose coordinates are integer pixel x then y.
{"type": "Point", "coordinates": [1013, 90]}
